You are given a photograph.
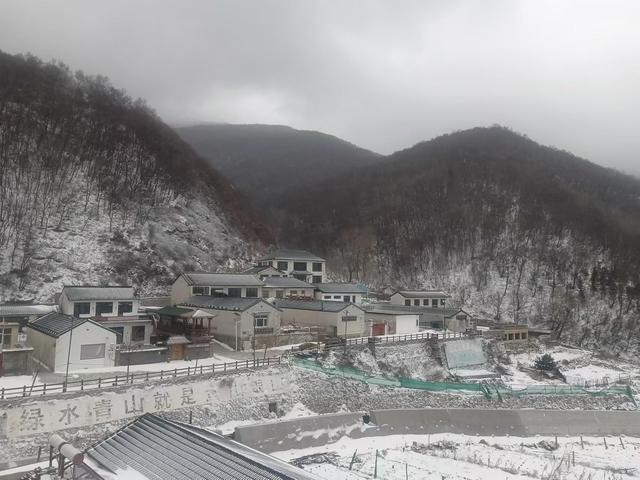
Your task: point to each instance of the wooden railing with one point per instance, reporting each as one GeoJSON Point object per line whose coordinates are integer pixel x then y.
{"type": "Point", "coordinates": [132, 378]}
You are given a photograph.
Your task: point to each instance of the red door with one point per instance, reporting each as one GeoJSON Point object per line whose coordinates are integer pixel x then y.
{"type": "Point", "coordinates": [377, 329]}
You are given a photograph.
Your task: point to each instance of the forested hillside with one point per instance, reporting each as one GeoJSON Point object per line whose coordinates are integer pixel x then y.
{"type": "Point", "coordinates": [94, 188]}
{"type": "Point", "coordinates": [267, 161]}
{"type": "Point", "coordinates": [515, 230]}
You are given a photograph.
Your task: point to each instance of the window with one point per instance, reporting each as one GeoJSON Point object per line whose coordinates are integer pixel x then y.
{"type": "Point", "coordinates": [120, 332]}
{"type": "Point", "coordinates": [425, 302]}
{"type": "Point", "coordinates": [346, 298]}
{"type": "Point", "coordinates": [137, 333]}
{"type": "Point", "coordinates": [353, 298]}
{"type": "Point", "coordinates": [252, 293]}
{"type": "Point", "coordinates": [265, 293]}
{"type": "Point", "coordinates": [279, 293]}
{"type": "Point", "coordinates": [283, 266]}
{"type": "Point", "coordinates": [81, 308]}
{"type": "Point", "coordinates": [407, 303]}
{"type": "Point", "coordinates": [104, 307]}
{"type": "Point", "coordinates": [434, 303]}
{"type": "Point", "coordinates": [92, 351]}
{"type": "Point", "coordinates": [124, 307]}
{"type": "Point", "coordinates": [326, 297]}
{"type": "Point", "coordinates": [261, 320]}
{"type": "Point", "coordinates": [416, 302]}
{"type": "Point", "coordinates": [442, 301]}
{"type": "Point", "coordinates": [200, 290]}
{"type": "Point", "coordinates": [317, 279]}
{"type": "Point", "coordinates": [6, 337]}
{"type": "Point", "coordinates": [337, 297]}
{"type": "Point", "coordinates": [302, 278]}
{"type": "Point", "coordinates": [217, 293]}
{"type": "Point", "coordinates": [293, 293]}
{"type": "Point", "coordinates": [317, 267]}
{"type": "Point", "coordinates": [299, 266]}
{"type": "Point", "coordinates": [234, 292]}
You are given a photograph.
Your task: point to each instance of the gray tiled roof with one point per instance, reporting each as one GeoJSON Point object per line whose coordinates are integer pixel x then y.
{"type": "Point", "coordinates": [259, 268]}
{"type": "Point", "coordinates": [223, 279]}
{"type": "Point", "coordinates": [222, 303]}
{"type": "Point", "coordinates": [56, 324]}
{"type": "Point", "coordinates": [317, 305]}
{"type": "Point", "coordinates": [160, 449]}
{"type": "Point", "coordinates": [26, 310]}
{"type": "Point", "coordinates": [335, 287]}
{"type": "Point", "coordinates": [88, 292]}
{"type": "Point", "coordinates": [291, 254]}
{"type": "Point", "coordinates": [285, 282]}
{"type": "Point", "coordinates": [423, 293]}
{"type": "Point", "coordinates": [409, 309]}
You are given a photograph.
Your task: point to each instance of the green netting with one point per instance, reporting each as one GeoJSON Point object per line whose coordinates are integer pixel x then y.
{"type": "Point", "coordinates": [486, 390]}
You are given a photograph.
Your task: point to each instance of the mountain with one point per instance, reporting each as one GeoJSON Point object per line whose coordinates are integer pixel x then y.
{"type": "Point", "coordinates": [266, 161]}
{"type": "Point", "coordinates": [515, 230]}
{"type": "Point", "coordinates": [94, 188]}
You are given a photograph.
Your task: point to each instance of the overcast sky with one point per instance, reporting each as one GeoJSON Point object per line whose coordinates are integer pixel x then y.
{"type": "Point", "coordinates": [383, 75]}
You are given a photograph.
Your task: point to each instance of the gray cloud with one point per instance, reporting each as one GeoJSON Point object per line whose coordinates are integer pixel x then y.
{"type": "Point", "coordinates": [381, 74]}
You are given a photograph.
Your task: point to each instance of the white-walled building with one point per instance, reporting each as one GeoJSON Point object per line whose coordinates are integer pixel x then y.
{"type": "Point", "coordinates": [335, 318]}
{"type": "Point", "coordinates": [286, 287]}
{"type": "Point", "coordinates": [298, 264]}
{"type": "Point", "coordinates": [235, 285]}
{"type": "Point", "coordinates": [238, 321]}
{"type": "Point", "coordinates": [420, 298]}
{"type": "Point", "coordinates": [341, 292]}
{"type": "Point", "coordinates": [92, 345]}
{"type": "Point", "coordinates": [115, 307]}
{"type": "Point", "coordinates": [387, 320]}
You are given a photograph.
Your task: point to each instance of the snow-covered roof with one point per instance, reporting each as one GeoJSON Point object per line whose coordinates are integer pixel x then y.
{"type": "Point", "coordinates": [336, 287]}
{"type": "Point", "coordinates": [91, 292]}
{"type": "Point", "coordinates": [157, 448]}
{"type": "Point", "coordinates": [223, 279]}
{"type": "Point", "coordinates": [223, 303]}
{"type": "Point", "coordinates": [317, 305]}
{"type": "Point", "coordinates": [291, 254]}
{"type": "Point", "coordinates": [26, 310]}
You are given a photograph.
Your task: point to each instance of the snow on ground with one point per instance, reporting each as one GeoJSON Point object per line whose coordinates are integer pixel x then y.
{"type": "Point", "coordinates": [470, 457]}
{"type": "Point", "coordinates": [591, 374]}
{"type": "Point", "coordinates": [297, 410]}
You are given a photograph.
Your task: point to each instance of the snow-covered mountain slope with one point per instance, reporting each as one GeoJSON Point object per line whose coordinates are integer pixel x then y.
{"type": "Point", "coordinates": [94, 188]}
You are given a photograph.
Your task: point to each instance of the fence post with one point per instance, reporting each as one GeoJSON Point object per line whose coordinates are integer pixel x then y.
{"type": "Point", "coordinates": [188, 370]}
{"type": "Point", "coordinates": [81, 384]}
{"type": "Point", "coordinates": [175, 372]}
{"type": "Point", "coordinates": [2, 396]}
{"type": "Point", "coordinates": [99, 381]}
{"type": "Point", "coordinates": [116, 383]}
{"type": "Point", "coordinates": [44, 389]}
{"type": "Point", "coordinates": [201, 369]}
{"type": "Point", "coordinates": [161, 373]}
{"type": "Point", "coordinates": [24, 390]}
{"type": "Point", "coordinates": [147, 376]}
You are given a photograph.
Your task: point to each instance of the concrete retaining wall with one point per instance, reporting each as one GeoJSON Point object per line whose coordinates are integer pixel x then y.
{"type": "Point", "coordinates": [319, 430]}
{"type": "Point", "coordinates": [302, 432]}
{"type": "Point", "coordinates": [508, 422]}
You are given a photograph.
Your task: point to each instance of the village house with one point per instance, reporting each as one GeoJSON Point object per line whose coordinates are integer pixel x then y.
{"type": "Point", "coordinates": [335, 319]}
{"type": "Point", "coordinates": [287, 287]}
{"type": "Point", "coordinates": [56, 337]}
{"type": "Point", "coordinates": [388, 319]}
{"type": "Point", "coordinates": [264, 271]}
{"type": "Point", "coordinates": [298, 264]}
{"type": "Point", "coordinates": [242, 323]}
{"type": "Point", "coordinates": [420, 298]}
{"type": "Point", "coordinates": [342, 292]}
{"type": "Point", "coordinates": [235, 285]}
{"type": "Point", "coordinates": [115, 307]}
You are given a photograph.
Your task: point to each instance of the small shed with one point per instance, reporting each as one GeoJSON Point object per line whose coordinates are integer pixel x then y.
{"type": "Point", "coordinates": [57, 339]}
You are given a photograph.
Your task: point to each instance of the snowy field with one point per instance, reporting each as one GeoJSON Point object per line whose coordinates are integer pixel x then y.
{"type": "Point", "coordinates": [452, 457]}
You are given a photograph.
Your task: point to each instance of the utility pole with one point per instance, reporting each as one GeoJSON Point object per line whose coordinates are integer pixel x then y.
{"type": "Point", "coordinates": [66, 373]}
